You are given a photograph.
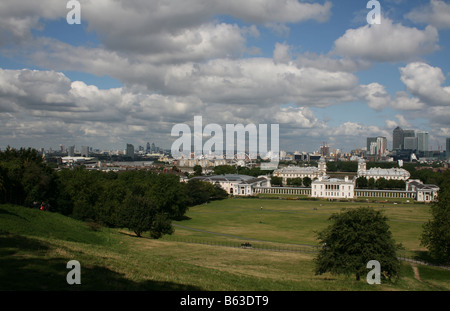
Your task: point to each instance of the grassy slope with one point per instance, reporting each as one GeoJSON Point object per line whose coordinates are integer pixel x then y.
{"type": "Point", "coordinates": [35, 247]}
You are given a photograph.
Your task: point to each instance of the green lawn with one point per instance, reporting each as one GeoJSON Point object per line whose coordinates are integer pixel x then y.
{"type": "Point", "coordinates": [35, 247]}
{"type": "Point", "coordinates": [293, 221]}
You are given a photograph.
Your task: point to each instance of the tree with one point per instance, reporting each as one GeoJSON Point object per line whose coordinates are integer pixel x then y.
{"type": "Point", "coordinates": [224, 169]}
{"type": "Point", "coordinates": [140, 214]}
{"type": "Point", "coordinates": [436, 232]}
{"type": "Point", "coordinates": [26, 178]}
{"type": "Point", "coordinates": [307, 182]}
{"type": "Point", "coordinates": [381, 183]}
{"type": "Point", "coordinates": [198, 170]}
{"type": "Point", "coordinates": [371, 183]}
{"type": "Point", "coordinates": [361, 182]}
{"type": "Point", "coordinates": [353, 239]}
{"type": "Point", "coordinates": [297, 181]}
{"type": "Point", "coordinates": [276, 181]}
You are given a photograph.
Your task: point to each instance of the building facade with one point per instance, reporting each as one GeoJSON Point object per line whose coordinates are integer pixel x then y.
{"type": "Point", "coordinates": [129, 152]}
{"type": "Point", "coordinates": [386, 173]}
{"type": "Point", "coordinates": [397, 138]}
{"type": "Point", "coordinates": [410, 143]}
{"type": "Point", "coordinates": [293, 171]}
{"type": "Point", "coordinates": [235, 184]}
{"type": "Point", "coordinates": [447, 148]}
{"type": "Point", "coordinates": [422, 141]}
{"type": "Point", "coordinates": [422, 192]}
{"type": "Point", "coordinates": [333, 188]}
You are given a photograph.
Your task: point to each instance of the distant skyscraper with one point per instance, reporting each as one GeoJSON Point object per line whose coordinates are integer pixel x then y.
{"type": "Point", "coordinates": [147, 149]}
{"type": "Point", "coordinates": [84, 151]}
{"type": "Point", "coordinates": [71, 151]}
{"type": "Point", "coordinates": [382, 146]}
{"type": "Point", "coordinates": [447, 147]}
{"type": "Point", "coordinates": [370, 140]}
{"type": "Point", "coordinates": [409, 134]}
{"type": "Point", "coordinates": [410, 143]}
{"type": "Point", "coordinates": [130, 151]}
{"type": "Point", "coordinates": [397, 139]}
{"type": "Point", "coordinates": [422, 141]}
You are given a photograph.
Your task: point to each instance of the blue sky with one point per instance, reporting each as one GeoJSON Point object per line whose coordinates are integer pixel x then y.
{"type": "Point", "coordinates": [133, 69]}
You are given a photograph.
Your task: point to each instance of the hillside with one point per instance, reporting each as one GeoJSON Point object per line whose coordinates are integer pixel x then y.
{"type": "Point", "coordinates": [35, 247]}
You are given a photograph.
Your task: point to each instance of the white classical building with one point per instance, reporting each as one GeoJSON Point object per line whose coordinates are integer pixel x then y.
{"type": "Point", "coordinates": [333, 188]}
{"type": "Point", "coordinates": [293, 171]}
{"type": "Point", "coordinates": [236, 184]}
{"type": "Point", "coordinates": [423, 192]}
{"type": "Point", "coordinates": [386, 173]}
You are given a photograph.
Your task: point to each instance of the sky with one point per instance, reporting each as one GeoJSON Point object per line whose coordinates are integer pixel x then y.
{"type": "Point", "coordinates": [133, 69]}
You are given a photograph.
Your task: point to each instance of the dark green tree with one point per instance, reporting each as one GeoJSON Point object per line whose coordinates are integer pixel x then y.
{"type": "Point", "coordinates": [361, 182]}
{"type": "Point", "coordinates": [353, 239]}
{"type": "Point", "coordinates": [26, 178]}
{"type": "Point", "coordinates": [307, 182]}
{"type": "Point", "coordinates": [224, 169]}
{"type": "Point", "coordinates": [276, 181]}
{"type": "Point", "coordinates": [140, 214]}
{"type": "Point", "coordinates": [296, 182]}
{"type": "Point", "coordinates": [436, 232]}
{"type": "Point", "coordinates": [198, 170]}
{"type": "Point", "coordinates": [381, 183]}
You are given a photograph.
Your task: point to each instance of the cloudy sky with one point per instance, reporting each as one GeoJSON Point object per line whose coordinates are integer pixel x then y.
{"type": "Point", "coordinates": [134, 68]}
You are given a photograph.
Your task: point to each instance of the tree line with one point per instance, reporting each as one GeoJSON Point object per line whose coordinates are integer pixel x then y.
{"type": "Point", "coordinates": [381, 183]}
{"type": "Point", "coordinates": [138, 200]}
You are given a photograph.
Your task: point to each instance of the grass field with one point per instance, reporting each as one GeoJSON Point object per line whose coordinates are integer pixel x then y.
{"type": "Point", "coordinates": [35, 247]}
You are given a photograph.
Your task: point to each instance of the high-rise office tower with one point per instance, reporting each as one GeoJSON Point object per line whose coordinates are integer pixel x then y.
{"type": "Point", "coordinates": [409, 134]}
{"type": "Point", "coordinates": [371, 140]}
{"type": "Point", "coordinates": [422, 141]}
{"type": "Point", "coordinates": [71, 151]}
{"type": "Point", "coordinates": [410, 143]}
{"type": "Point", "coordinates": [447, 147]}
{"type": "Point", "coordinates": [130, 151]}
{"type": "Point", "coordinates": [84, 151]}
{"type": "Point", "coordinates": [397, 139]}
{"type": "Point", "coordinates": [382, 146]}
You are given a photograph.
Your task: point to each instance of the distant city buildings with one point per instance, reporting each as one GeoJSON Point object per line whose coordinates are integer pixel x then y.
{"type": "Point", "coordinates": [422, 141]}
{"type": "Point", "coordinates": [377, 146]}
{"type": "Point", "coordinates": [447, 147]}
{"type": "Point", "coordinates": [397, 139]}
{"type": "Point", "coordinates": [410, 140]}
{"type": "Point", "coordinates": [410, 143]}
{"type": "Point", "coordinates": [129, 153]}
{"type": "Point", "coordinates": [71, 151]}
{"type": "Point", "coordinates": [84, 151]}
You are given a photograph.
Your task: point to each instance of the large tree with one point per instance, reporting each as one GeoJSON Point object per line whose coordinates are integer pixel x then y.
{"type": "Point", "coordinates": [140, 214]}
{"type": "Point", "coordinates": [354, 238]}
{"type": "Point", "coordinates": [436, 232]}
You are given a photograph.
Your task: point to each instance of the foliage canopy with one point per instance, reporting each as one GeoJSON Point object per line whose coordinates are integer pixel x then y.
{"type": "Point", "coordinates": [353, 239]}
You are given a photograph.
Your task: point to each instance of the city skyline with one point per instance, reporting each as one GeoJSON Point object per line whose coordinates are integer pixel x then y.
{"type": "Point", "coordinates": [131, 70]}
